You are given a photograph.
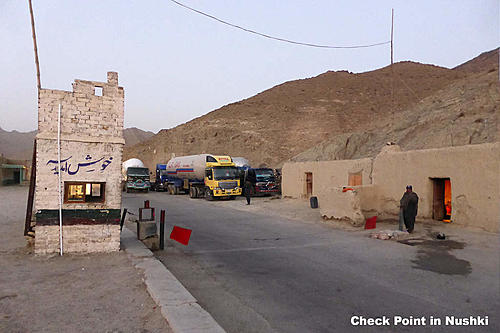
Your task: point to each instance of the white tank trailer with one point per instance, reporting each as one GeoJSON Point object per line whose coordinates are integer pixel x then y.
{"type": "Point", "coordinates": [131, 163]}
{"type": "Point", "coordinates": [135, 176]}
{"type": "Point", "coordinates": [203, 175]}
{"type": "Point", "coordinates": [188, 167]}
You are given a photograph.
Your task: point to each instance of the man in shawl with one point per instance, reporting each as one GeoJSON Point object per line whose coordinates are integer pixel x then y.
{"type": "Point", "coordinates": [409, 207]}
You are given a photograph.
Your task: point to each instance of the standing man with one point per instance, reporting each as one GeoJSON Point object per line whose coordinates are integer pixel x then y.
{"type": "Point", "coordinates": [409, 207]}
{"type": "Point", "coordinates": [248, 191]}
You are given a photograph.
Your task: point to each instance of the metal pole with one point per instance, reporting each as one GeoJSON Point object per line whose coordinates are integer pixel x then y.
{"type": "Point", "coordinates": [123, 218]}
{"type": "Point", "coordinates": [39, 85]}
{"type": "Point", "coordinates": [59, 179]}
{"type": "Point", "coordinates": [31, 194]}
{"type": "Point", "coordinates": [162, 229]}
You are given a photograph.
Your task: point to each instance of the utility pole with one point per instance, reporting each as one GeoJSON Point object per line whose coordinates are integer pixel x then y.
{"type": "Point", "coordinates": [31, 193]}
{"type": "Point", "coordinates": [39, 85]}
{"type": "Point", "coordinates": [392, 65]}
{"type": "Point", "coordinates": [392, 37]}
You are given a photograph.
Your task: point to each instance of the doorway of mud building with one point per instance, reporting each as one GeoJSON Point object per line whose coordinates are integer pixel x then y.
{"type": "Point", "coordinates": [355, 179]}
{"type": "Point", "coordinates": [309, 184]}
{"type": "Point", "coordinates": [441, 202]}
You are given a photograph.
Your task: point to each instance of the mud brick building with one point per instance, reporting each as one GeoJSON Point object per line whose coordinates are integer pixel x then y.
{"type": "Point", "coordinates": [458, 184]}
{"type": "Point", "coordinates": [91, 141]}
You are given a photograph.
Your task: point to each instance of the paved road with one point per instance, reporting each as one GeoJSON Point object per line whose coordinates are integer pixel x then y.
{"type": "Point", "coordinates": [256, 273]}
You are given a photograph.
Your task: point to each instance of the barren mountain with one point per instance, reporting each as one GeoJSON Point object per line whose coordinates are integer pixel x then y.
{"type": "Point", "coordinates": [133, 136]}
{"type": "Point", "coordinates": [17, 145]}
{"type": "Point", "coordinates": [281, 122]}
{"type": "Point", "coordinates": [485, 62]}
{"type": "Point", "coordinates": [465, 112]}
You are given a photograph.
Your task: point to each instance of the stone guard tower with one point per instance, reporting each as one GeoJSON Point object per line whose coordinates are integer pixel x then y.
{"type": "Point", "coordinates": [91, 141]}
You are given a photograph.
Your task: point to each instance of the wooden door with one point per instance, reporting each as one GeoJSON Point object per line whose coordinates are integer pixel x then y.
{"type": "Point", "coordinates": [438, 200]}
{"type": "Point", "coordinates": [309, 184]}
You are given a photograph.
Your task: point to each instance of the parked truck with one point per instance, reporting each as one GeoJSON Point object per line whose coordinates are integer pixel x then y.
{"type": "Point", "coordinates": [203, 176]}
{"type": "Point", "coordinates": [263, 181]}
{"type": "Point", "coordinates": [135, 175]}
{"type": "Point", "coordinates": [161, 181]}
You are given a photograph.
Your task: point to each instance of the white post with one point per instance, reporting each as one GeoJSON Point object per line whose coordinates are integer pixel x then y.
{"type": "Point", "coordinates": [59, 178]}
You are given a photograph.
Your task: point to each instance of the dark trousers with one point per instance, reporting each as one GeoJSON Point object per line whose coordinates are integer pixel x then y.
{"type": "Point", "coordinates": [248, 198]}
{"type": "Point", "coordinates": [409, 221]}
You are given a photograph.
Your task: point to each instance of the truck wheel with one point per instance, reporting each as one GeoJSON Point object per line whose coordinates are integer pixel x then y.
{"type": "Point", "coordinates": [208, 194]}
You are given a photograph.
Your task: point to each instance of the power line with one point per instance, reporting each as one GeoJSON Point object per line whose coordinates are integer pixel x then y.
{"type": "Point", "coordinates": [277, 38]}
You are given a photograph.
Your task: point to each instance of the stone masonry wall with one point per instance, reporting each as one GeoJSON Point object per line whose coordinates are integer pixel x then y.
{"type": "Point", "coordinates": [91, 151]}
{"type": "Point", "coordinates": [75, 153]}
{"type": "Point", "coordinates": [84, 115]}
{"type": "Point", "coordinates": [78, 239]}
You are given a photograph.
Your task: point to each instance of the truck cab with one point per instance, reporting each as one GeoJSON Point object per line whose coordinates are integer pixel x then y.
{"type": "Point", "coordinates": [137, 179]}
{"type": "Point", "coordinates": [161, 181]}
{"type": "Point", "coordinates": [222, 179]}
{"type": "Point", "coordinates": [263, 181]}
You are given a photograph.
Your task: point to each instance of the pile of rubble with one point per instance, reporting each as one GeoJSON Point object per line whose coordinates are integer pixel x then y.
{"type": "Point", "coordinates": [390, 234]}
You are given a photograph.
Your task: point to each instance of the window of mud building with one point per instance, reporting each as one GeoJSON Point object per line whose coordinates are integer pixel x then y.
{"type": "Point", "coordinates": [441, 200]}
{"type": "Point", "coordinates": [98, 91]}
{"type": "Point", "coordinates": [355, 178]}
{"type": "Point", "coordinates": [308, 184]}
{"type": "Point", "coordinates": [84, 192]}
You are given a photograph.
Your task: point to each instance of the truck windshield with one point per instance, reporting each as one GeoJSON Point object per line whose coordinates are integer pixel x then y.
{"type": "Point", "coordinates": [138, 171]}
{"type": "Point", "coordinates": [264, 175]}
{"type": "Point", "coordinates": [221, 173]}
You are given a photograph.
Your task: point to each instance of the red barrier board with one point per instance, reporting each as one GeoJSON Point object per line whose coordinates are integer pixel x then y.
{"type": "Point", "coordinates": [181, 235]}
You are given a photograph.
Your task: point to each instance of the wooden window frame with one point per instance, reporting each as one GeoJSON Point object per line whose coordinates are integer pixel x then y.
{"type": "Point", "coordinates": [355, 178]}
{"type": "Point", "coordinates": [84, 184]}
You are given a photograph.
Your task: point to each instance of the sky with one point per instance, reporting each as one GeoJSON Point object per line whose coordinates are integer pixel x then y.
{"type": "Point", "coordinates": [176, 65]}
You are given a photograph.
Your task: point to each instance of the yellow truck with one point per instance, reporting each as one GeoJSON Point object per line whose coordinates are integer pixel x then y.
{"type": "Point", "coordinates": [203, 176]}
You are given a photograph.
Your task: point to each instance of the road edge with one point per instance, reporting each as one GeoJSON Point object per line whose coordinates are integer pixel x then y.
{"type": "Point", "coordinates": [177, 305]}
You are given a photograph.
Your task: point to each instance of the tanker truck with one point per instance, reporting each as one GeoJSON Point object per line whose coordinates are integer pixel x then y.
{"type": "Point", "coordinates": [203, 176]}
{"type": "Point", "coordinates": [135, 176]}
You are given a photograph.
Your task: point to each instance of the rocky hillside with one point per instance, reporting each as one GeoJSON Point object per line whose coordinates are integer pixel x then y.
{"type": "Point", "coordinates": [465, 112]}
{"type": "Point", "coordinates": [485, 62]}
{"type": "Point", "coordinates": [133, 136]}
{"type": "Point", "coordinates": [281, 122]}
{"type": "Point", "coordinates": [17, 145]}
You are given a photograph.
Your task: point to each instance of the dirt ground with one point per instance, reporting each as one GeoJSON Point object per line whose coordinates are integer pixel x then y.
{"type": "Point", "coordinates": [299, 209]}
{"type": "Point", "coordinates": [86, 293]}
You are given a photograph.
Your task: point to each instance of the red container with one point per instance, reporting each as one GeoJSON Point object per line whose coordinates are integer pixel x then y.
{"type": "Point", "coordinates": [371, 222]}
